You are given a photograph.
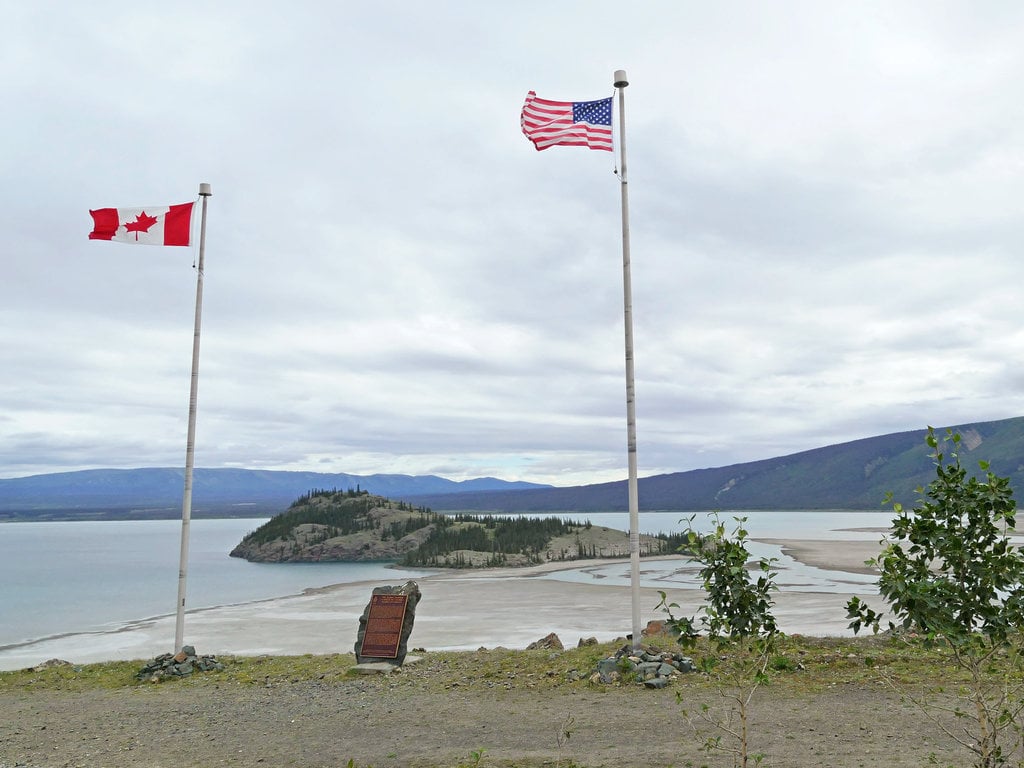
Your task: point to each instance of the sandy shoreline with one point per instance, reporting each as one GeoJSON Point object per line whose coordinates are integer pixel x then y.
{"type": "Point", "coordinates": [508, 607]}
{"type": "Point", "coordinates": [848, 556]}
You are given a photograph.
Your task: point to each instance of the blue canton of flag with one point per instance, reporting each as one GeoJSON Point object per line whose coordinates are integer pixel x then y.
{"type": "Point", "coordinates": [594, 112]}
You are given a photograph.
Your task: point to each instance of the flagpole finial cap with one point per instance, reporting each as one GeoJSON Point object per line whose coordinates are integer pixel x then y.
{"type": "Point", "coordinates": [620, 78]}
{"type": "Point", "coordinates": [204, 190]}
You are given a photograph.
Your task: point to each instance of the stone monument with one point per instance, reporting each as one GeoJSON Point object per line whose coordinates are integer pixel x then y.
{"type": "Point", "coordinates": [386, 624]}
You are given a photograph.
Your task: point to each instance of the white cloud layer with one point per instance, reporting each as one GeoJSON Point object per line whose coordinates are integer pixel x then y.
{"type": "Point", "coordinates": [826, 204]}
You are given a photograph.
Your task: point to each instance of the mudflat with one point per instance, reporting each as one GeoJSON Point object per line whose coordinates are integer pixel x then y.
{"type": "Point", "coordinates": [460, 610]}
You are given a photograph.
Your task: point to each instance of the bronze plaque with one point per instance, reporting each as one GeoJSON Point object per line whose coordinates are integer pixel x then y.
{"type": "Point", "coordinates": [383, 635]}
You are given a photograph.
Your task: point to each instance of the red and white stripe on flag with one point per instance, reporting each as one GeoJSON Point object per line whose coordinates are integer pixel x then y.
{"type": "Point", "coordinates": [567, 123]}
{"type": "Point", "coordinates": [154, 225]}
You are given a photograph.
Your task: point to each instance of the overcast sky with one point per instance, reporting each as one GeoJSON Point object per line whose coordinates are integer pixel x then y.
{"type": "Point", "coordinates": [826, 203]}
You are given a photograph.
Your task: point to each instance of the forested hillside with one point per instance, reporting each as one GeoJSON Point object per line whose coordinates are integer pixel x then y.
{"type": "Point", "coordinates": [355, 526]}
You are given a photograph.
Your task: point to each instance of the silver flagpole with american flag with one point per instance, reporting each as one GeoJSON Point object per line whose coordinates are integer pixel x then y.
{"type": "Point", "coordinates": [620, 83]}
{"type": "Point", "coordinates": [190, 445]}
{"type": "Point", "coordinates": [547, 124]}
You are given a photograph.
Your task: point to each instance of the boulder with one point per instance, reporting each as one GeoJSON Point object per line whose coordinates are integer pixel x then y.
{"type": "Point", "coordinates": [654, 627]}
{"type": "Point", "coordinates": [546, 643]}
{"type": "Point", "coordinates": [51, 663]}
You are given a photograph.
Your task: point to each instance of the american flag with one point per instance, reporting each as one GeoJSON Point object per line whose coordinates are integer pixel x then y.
{"type": "Point", "coordinates": [571, 123]}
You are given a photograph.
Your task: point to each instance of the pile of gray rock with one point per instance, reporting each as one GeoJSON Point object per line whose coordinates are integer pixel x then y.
{"type": "Point", "coordinates": [647, 666]}
{"type": "Point", "coordinates": [180, 664]}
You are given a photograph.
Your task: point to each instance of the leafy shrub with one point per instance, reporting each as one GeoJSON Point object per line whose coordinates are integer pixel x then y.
{"type": "Point", "coordinates": [950, 574]}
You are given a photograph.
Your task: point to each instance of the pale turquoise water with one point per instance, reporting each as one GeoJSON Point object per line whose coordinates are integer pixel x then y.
{"type": "Point", "coordinates": [793, 576]}
{"type": "Point", "coordinates": [64, 577]}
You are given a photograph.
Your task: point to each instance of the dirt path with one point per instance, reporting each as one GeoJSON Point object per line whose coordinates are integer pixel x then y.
{"type": "Point", "coordinates": [405, 720]}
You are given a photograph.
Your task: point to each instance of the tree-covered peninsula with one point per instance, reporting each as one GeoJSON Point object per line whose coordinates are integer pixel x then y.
{"type": "Point", "coordinates": [354, 526]}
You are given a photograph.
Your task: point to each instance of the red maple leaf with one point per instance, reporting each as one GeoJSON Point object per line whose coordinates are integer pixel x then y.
{"type": "Point", "coordinates": [142, 223]}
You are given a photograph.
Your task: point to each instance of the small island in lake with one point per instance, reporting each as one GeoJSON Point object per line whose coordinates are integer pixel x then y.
{"type": "Point", "coordinates": [355, 526]}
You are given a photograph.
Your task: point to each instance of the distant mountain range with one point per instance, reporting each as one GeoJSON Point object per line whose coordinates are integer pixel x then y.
{"type": "Point", "coordinates": [156, 493]}
{"type": "Point", "coordinates": [853, 475]}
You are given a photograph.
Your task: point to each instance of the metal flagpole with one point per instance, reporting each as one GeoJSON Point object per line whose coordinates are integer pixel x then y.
{"type": "Point", "coordinates": [627, 294]}
{"type": "Point", "coordinates": [190, 445]}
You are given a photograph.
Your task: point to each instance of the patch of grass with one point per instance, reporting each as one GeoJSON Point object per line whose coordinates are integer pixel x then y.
{"type": "Point", "coordinates": [253, 670]}
{"type": "Point", "coordinates": [801, 664]}
{"type": "Point", "coordinates": [272, 670]}
{"type": "Point", "coordinates": [782, 663]}
{"type": "Point", "coordinates": [86, 677]}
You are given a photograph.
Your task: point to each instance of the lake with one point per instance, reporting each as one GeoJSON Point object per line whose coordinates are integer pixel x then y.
{"type": "Point", "coordinates": [71, 577]}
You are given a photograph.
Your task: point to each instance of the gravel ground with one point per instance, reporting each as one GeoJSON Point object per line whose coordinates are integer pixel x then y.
{"type": "Point", "coordinates": [419, 718]}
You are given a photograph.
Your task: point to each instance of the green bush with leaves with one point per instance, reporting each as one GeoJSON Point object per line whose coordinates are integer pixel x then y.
{"type": "Point", "coordinates": [952, 578]}
{"type": "Point", "coordinates": [741, 630]}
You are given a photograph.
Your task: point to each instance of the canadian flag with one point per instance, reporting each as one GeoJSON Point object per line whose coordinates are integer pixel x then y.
{"type": "Point", "coordinates": [154, 225]}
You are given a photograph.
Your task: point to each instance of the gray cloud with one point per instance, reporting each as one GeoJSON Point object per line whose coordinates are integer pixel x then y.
{"type": "Point", "coordinates": [826, 232]}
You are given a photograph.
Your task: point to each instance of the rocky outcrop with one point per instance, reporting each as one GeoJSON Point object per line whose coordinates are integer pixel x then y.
{"type": "Point", "coordinates": [336, 529]}
{"type": "Point", "coordinates": [310, 543]}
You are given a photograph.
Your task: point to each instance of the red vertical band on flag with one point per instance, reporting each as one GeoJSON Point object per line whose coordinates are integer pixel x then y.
{"type": "Point", "coordinates": [178, 224]}
{"type": "Point", "coordinates": [105, 224]}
